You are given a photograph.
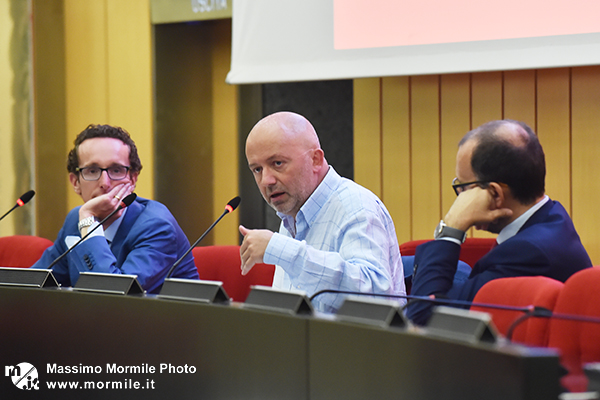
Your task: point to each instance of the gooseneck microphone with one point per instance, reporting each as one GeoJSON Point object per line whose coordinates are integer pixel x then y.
{"type": "Point", "coordinates": [529, 310]}
{"type": "Point", "coordinates": [545, 313]}
{"type": "Point", "coordinates": [20, 202]}
{"type": "Point", "coordinates": [232, 205]}
{"type": "Point", "coordinates": [126, 202]}
{"type": "Point", "coordinates": [430, 298]}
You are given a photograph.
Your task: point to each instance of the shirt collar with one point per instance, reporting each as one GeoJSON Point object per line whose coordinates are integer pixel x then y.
{"type": "Point", "coordinates": [511, 229]}
{"type": "Point", "coordinates": [314, 203]}
{"type": "Point", "coordinates": [111, 231]}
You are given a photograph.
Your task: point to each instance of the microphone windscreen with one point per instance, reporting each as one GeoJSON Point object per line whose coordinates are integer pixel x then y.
{"type": "Point", "coordinates": [126, 202]}
{"type": "Point", "coordinates": [233, 203]}
{"type": "Point", "coordinates": [26, 197]}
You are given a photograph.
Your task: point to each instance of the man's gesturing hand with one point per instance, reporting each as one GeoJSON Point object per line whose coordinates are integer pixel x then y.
{"type": "Point", "coordinates": [253, 247]}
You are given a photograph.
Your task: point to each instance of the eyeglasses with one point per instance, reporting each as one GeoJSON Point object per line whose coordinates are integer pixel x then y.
{"type": "Point", "coordinates": [460, 187]}
{"type": "Point", "coordinates": [115, 172]}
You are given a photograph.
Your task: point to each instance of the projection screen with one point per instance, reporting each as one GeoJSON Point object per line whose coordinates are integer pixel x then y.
{"type": "Point", "coordinates": [304, 40]}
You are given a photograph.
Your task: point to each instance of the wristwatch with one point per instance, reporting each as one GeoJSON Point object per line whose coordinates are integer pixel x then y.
{"type": "Point", "coordinates": [86, 222]}
{"type": "Point", "coordinates": [443, 230]}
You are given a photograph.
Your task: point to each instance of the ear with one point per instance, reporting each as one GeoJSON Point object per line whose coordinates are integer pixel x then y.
{"type": "Point", "coordinates": [74, 179]}
{"type": "Point", "coordinates": [318, 158]}
{"type": "Point", "coordinates": [499, 194]}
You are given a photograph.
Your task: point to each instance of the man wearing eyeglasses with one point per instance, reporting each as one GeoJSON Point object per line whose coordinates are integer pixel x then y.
{"type": "Point", "coordinates": [500, 174]}
{"type": "Point", "coordinates": [143, 239]}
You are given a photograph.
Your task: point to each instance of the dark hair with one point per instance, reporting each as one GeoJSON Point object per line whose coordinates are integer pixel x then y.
{"type": "Point", "coordinates": [495, 158]}
{"type": "Point", "coordinates": [102, 131]}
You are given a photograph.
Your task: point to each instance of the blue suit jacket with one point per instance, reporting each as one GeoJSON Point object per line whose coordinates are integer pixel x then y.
{"type": "Point", "coordinates": [147, 244]}
{"type": "Point", "coordinates": [547, 244]}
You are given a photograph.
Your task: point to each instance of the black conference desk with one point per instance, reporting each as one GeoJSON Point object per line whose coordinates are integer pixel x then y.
{"type": "Point", "coordinates": [239, 353]}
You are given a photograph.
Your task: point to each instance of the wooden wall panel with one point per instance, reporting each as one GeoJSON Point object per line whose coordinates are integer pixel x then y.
{"type": "Point", "coordinates": [519, 96]}
{"type": "Point", "coordinates": [554, 131]}
{"type": "Point", "coordinates": [396, 154]}
{"type": "Point", "coordinates": [562, 105]}
{"type": "Point", "coordinates": [49, 116]}
{"type": "Point", "coordinates": [486, 97]}
{"type": "Point", "coordinates": [129, 72]}
{"type": "Point", "coordinates": [225, 137]}
{"type": "Point", "coordinates": [455, 114]}
{"type": "Point", "coordinates": [586, 159]}
{"type": "Point", "coordinates": [367, 133]}
{"type": "Point", "coordinates": [86, 72]}
{"type": "Point", "coordinates": [425, 139]}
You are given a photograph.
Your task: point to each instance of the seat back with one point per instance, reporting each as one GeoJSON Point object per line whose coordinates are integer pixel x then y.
{"type": "Point", "coordinates": [22, 251]}
{"type": "Point", "coordinates": [223, 263]}
{"type": "Point", "coordinates": [463, 270]}
{"type": "Point", "coordinates": [578, 342]}
{"type": "Point", "coordinates": [520, 291]}
{"type": "Point", "coordinates": [470, 252]}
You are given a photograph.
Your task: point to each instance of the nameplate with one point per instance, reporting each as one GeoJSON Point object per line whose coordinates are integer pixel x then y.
{"type": "Point", "coordinates": [370, 311]}
{"type": "Point", "coordinates": [95, 282]}
{"type": "Point", "coordinates": [269, 299]}
{"type": "Point", "coordinates": [194, 290]}
{"type": "Point", "coordinates": [462, 325]}
{"type": "Point", "coordinates": [28, 277]}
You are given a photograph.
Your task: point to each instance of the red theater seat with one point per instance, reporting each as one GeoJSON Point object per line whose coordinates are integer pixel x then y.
{"type": "Point", "coordinates": [520, 291]}
{"type": "Point", "coordinates": [222, 263]}
{"type": "Point", "coordinates": [22, 251]}
{"type": "Point", "coordinates": [470, 252]}
{"type": "Point", "coordinates": [578, 342]}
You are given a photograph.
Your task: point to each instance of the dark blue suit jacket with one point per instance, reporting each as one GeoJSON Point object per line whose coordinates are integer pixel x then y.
{"type": "Point", "coordinates": [547, 244]}
{"type": "Point", "coordinates": [147, 244]}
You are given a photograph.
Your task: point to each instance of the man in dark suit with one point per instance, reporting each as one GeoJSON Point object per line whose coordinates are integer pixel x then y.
{"type": "Point", "coordinates": [143, 239]}
{"type": "Point", "coordinates": [500, 174]}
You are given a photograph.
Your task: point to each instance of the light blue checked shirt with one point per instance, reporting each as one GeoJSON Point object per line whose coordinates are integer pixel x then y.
{"type": "Point", "coordinates": [344, 239]}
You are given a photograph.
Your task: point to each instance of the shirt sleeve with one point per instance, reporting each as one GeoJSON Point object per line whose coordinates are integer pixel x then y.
{"type": "Point", "coordinates": [357, 259]}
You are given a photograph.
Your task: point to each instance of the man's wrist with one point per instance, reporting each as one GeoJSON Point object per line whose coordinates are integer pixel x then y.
{"type": "Point", "coordinates": [443, 231]}
{"type": "Point", "coordinates": [85, 223]}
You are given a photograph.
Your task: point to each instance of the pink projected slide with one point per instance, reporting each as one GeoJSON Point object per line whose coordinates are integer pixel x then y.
{"type": "Point", "coordinates": [383, 23]}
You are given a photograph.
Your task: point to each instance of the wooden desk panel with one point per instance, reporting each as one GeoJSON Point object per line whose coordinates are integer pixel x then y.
{"type": "Point", "coordinates": [371, 363]}
{"type": "Point", "coordinates": [239, 353]}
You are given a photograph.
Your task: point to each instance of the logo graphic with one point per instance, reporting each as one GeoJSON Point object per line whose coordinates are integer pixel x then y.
{"type": "Point", "coordinates": [23, 375]}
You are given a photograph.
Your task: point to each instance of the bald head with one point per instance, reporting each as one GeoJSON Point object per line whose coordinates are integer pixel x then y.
{"type": "Point", "coordinates": [285, 157]}
{"type": "Point", "coordinates": [287, 127]}
{"type": "Point", "coordinates": [514, 132]}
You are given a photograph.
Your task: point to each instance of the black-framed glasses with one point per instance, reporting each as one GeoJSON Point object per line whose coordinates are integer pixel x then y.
{"type": "Point", "coordinates": [461, 187]}
{"type": "Point", "coordinates": [93, 173]}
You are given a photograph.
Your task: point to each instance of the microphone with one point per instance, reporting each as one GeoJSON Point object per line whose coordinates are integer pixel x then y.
{"type": "Point", "coordinates": [432, 298]}
{"type": "Point", "coordinates": [545, 313]}
{"type": "Point", "coordinates": [126, 202]}
{"type": "Point", "coordinates": [529, 310]}
{"type": "Point", "coordinates": [232, 205]}
{"type": "Point", "coordinates": [20, 202]}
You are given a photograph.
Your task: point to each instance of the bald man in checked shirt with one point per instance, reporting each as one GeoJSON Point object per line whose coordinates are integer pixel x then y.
{"type": "Point", "coordinates": [334, 233]}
